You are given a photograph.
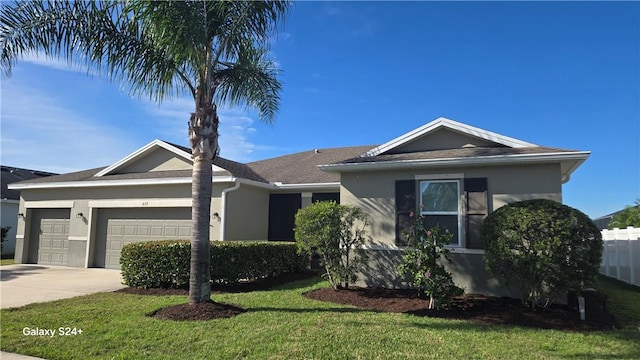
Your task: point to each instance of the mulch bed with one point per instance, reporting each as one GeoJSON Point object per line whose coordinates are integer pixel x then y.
{"type": "Point", "coordinates": [202, 311]}
{"type": "Point", "coordinates": [476, 308]}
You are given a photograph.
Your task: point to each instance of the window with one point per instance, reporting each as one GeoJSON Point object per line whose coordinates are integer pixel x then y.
{"type": "Point", "coordinates": [440, 204]}
{"type": "Point", "coordinates": [443, 203]}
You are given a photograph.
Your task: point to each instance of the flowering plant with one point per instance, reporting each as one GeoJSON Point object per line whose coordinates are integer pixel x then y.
{"type": "Point", "coordinates": [421, 261]}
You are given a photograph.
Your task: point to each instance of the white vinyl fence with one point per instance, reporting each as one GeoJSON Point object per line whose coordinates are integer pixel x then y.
{"type": "Point", "coordinates": [621, 254]}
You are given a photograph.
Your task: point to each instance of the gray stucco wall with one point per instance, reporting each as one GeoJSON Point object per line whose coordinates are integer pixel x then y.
{"type": "Point", "coordinates": [247, 213]}
{"type": "Point", "coordinates": [374, 191]}
{"type": "Point", "coordinates": [468, 271]}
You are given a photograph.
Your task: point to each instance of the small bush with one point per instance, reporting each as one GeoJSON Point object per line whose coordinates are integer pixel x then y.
{"type": "Point", "coordinates": [543, 247]}
{"type": "Point", "coordinates": [422, 261]}
{"type": "Point", "coordinates": [4, 231]}
{"type": "Point", "coordinates": [336, 233]}
{"type": "Point", "coordinates": [165, 264]}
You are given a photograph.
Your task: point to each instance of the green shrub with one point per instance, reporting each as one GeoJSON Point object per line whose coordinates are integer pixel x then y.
{"type": "Point", "coordinates": [4, 231]}
{"type": "Point", "coordinates": [421, 260]}
{"type": "Point", "coordinates": [165, 264]}
{"type": "Point", "coordinates": [336, 233]}
{"type": "Point", "coordinates": [543, 247]}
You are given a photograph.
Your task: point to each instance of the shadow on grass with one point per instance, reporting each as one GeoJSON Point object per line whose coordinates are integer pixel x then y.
{"type": "Point", "coordinates": [307, 310]}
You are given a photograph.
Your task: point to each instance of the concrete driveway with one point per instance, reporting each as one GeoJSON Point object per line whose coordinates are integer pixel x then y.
{"type": "Point", "coordinates": [22, 284]}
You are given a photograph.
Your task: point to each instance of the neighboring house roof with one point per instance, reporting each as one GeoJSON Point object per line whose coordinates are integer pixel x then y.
{"type": "Point", "coordinates": [12, 174]}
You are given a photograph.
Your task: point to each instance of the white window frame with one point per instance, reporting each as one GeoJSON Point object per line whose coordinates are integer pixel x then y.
{"type": "Point", "coordinates": [458, 213]}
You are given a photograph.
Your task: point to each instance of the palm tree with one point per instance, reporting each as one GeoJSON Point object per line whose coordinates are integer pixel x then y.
{"type": "Point", "coordinates": [215, 51]}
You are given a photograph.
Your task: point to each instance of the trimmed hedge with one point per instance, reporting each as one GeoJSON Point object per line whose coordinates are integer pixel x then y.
{"type": "Point", "coordinates": [165, 264]}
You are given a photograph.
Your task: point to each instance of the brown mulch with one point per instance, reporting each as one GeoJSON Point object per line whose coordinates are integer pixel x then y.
{"type": "Point", "coordinates": [476, 308]}
{"type": "Point", "coordinates": [203, 311]}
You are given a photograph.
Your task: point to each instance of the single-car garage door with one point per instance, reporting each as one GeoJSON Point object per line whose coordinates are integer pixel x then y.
{"type": "Point", "coordinates": [49, 236]}
{"type": "Point", "coordinates": [118, 227]}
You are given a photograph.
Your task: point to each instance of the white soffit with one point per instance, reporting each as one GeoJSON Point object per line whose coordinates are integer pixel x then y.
{"type": "Point", "coordinates": [143, 151]}
{"type": "Point", "coordinates": [443, 122]}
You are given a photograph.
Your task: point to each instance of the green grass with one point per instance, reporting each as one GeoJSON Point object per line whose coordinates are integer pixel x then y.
{"type": "Point", "coordinates": [7, 262]}
{"type": "Point", "coordinates": [623, 300]}
{"type": "Point", "coordinates": [281, 324]}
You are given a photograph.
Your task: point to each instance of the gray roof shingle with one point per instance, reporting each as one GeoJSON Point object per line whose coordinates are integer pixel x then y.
{"type": "Point", "coordinates": [477, 152]}
{"type": "Point", "coordinates": [12, 174]}
{"type": "Point", "coordinates": [302, 167]}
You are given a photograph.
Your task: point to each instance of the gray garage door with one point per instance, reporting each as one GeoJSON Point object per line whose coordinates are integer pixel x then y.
{"type": "Point", "coordinates": [49, 236]}
{"type": "Point", "coordinates": [118, 227]}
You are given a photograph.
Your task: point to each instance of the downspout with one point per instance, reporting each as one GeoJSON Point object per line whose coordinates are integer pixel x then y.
{"type": "Point", "coordinates": [223, 207]}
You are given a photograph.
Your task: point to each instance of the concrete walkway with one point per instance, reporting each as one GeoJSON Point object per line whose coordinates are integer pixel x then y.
{"type": "Point", "coordinates": [22, 284]}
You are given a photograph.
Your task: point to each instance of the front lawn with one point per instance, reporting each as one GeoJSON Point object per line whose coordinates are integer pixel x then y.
{"type": "Point", "coordinates": [623, 300]}
{"type": "Point", "coordinates": [7, 261]}
{"type": "Point", "coordinates": [282, 324]}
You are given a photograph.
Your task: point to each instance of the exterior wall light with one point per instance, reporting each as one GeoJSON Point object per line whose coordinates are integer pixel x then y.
{"type": "Point", "coordinates": [21, 215]}
{"type": "Point", "coordinates": [79, 215]}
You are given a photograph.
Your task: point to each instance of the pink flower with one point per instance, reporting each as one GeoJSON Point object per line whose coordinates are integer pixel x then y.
{"type": "Point", "coordinates": [427, 274]}
{"type": "Point", "coordinates": [421, 206]}
{"type": "Point", "coordinates": [411, 214]}
{"type": "Point", "coordinates": [429, 233]}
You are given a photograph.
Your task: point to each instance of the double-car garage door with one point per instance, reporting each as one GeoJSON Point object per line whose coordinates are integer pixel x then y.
{"type": "Point", "coordinates": [49, 244]}
{"type": "Point", "coordinates": [118, 227]}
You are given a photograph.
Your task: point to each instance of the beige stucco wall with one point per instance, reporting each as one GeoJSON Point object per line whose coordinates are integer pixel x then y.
{"type": "Point", "coordinates": [442, 139]}
{"type": "Point", "coordinates": [158, 160]}
{"type": "Point", "coordinates": [247, 213]}
{"type": "Point", "coordinates": [88, 201]}
{"type": "Point", "coordinates": [374, 191]}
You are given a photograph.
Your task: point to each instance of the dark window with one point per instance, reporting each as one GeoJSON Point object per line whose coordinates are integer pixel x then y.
{"type": "Point", "coordinates": [439, 206]}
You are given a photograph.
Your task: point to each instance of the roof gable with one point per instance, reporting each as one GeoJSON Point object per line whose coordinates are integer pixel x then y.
{"type": "Point", "coordinates": [442, 134]}
{"type": "Point", "coordinates": [157, 155]}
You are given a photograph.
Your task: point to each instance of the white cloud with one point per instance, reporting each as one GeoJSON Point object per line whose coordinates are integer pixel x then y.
{"type": "Point", "coordinates": [235, 128]}
{"type": "Point", "coordinates": [42, 59]}
{"type": "Point", "coordinates": [39, 134]}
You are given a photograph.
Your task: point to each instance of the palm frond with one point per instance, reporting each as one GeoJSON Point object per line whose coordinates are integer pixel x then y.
{"type": "Point", "coordinates": [101, 36]}
{"type": "Point", "coordinates": [251, 80]}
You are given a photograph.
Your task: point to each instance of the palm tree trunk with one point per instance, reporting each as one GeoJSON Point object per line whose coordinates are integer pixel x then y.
{"type": "Point", "coordinates": [203, 131]}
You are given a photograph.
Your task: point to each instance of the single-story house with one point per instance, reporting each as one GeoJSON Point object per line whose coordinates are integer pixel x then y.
{"type": "Point", "coordinates": [10, 200]}
{"type": "Point", "coordinates": [458, 173]}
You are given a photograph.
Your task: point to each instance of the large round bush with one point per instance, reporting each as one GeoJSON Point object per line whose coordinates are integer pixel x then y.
{"type": "Point", "coordinates": [542, 247]}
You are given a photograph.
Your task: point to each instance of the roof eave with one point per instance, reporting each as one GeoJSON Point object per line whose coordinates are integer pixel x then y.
{"type": "Point", "coordinates": [578, 157]}
{"type": "Point", "coordinates": [307, 186]}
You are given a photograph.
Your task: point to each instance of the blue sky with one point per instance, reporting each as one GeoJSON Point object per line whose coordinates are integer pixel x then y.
{"type": "Point", "coordinates": [560, 74]}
